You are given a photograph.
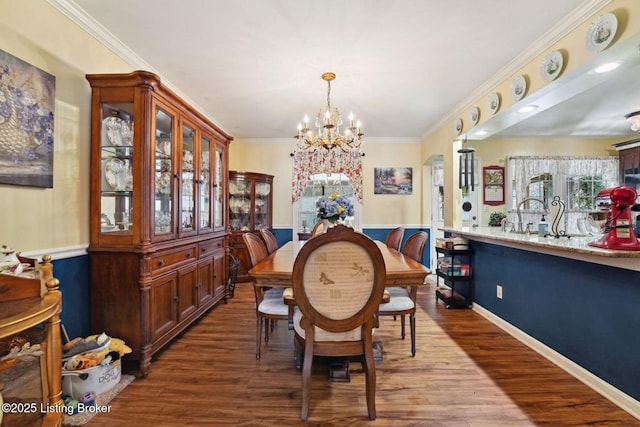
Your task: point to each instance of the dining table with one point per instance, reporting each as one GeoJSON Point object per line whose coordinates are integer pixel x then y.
{"type": "Point", "coordinates": [277, 269]}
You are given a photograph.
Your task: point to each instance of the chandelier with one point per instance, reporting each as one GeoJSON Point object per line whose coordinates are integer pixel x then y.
{"type": "Point", "coordinates": [328, 134]}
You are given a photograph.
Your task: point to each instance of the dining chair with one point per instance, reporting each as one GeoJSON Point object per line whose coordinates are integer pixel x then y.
{"type": "Point", "coordinates": [394, 238]}
{"type": "Point", "coordinates": [269, 240]}
{"type": "Point", "coordinates": [403, 299]}
{"type": "Point", "coordinates": [317, 229]}
{"type": "Point", "coordinates": [270, 305]}
{"type": "Point", "coordinates": [338, 282]}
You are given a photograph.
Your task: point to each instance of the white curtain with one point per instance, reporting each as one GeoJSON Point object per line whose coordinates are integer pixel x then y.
{"type": "Point", "coordinates": [522, 168]}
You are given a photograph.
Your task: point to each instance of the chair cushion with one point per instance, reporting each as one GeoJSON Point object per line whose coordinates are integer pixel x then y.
{"type": "Point", "coordinates": [274, 293]}
{"type": "Point", "coordinates": [322, 335]}
{"type": "Point", "coordinates": [397, 291]}
{"type": "Point", "coordinates": [397, 304]}
{"type": "Point", "coordinates": [274, 306]}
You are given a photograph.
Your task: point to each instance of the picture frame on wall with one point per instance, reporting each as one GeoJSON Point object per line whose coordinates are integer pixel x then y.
{"type": "Point", "coordinates": [493, 185]}
{"type": "Point", "coordinates": [393, 180]}
{"type": "Point", "coordinates": [27, 103]}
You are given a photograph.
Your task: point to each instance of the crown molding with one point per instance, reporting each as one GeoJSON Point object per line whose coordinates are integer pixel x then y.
{"type": "Point", "coordinates": [562, 29]}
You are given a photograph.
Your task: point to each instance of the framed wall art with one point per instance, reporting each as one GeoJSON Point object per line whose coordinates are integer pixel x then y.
{"type": "Point", "coordinates": [393, 180]}
{"type": "Point", "coordinates": [493, 185]}
{"type": "Point", "coordinates": [27, 105]}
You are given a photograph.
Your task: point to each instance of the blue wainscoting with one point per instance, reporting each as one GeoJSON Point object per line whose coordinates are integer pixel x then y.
{"type": "Point", "coordinates": [73, 274]}
{"type": "Point", "coordinates": [587, 312]}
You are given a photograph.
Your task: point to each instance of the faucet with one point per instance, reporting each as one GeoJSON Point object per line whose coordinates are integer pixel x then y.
{"type": "Point", "coordinates": [519, 211]}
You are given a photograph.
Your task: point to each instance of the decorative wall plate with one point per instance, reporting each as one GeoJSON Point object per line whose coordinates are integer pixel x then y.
{"type": "Point", "coordinates": [518, 87]}
{"type": "Point", "coordinates": [551, 66]}
{"type": "Point", "coordinates": [457, 126]}
{"type": "Point", "coordinates": [111, 130]}
{"type": "Point", "coordinates": [114, 172]}
{"type": "Point", "coordinates": [493, 102]}
{"type": "Point", "coordinates": [601, 32]}
{"type": "Point", "coordinates": [474, 115]}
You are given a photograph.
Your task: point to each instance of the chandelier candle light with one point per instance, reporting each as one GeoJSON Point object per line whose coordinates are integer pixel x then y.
{"type": "Point", "coordinates": [328, 134]}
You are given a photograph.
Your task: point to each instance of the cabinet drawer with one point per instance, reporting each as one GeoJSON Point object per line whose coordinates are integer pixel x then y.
{"type": "Point", "coordinates": [168, 259]}
{"type": "Point", "coordinates": [207, 248]}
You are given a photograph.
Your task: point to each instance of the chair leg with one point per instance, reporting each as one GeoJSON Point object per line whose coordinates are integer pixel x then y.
{"type": "Point", "coordinates": [402, 325]}
{"type": "Point", "coordinates": [267, 327]}
{"type": "Point", "coordinates": [306, 379]}
{"type": "Point", "coordinates": [412, 326]}
{"type": "Point", "coordinates": [369, 368]}
{"type": "Point", "coordinates": [258, 337]}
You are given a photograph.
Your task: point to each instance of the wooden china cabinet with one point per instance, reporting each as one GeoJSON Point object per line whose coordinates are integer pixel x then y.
{"type": "Point", "coordinates": [250, 210]}
{"type": "Point", "coordinates": [158, 209]}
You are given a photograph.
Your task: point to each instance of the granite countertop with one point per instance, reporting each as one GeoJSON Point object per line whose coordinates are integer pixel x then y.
{"type": "Point", "coordinates": [575, 244]}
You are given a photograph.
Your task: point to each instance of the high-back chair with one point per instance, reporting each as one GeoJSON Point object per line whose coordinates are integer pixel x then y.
{"type": "Point", "coordinates": [403, 300]}
{"type": "Point", "coordinates": [269, 240]}
{"type": "Point", "coordinates": [338, 283]}
{"type": "Point", "coordinates": [317, 229]}
{"type": "Point", "coordinates": [269, 308]}
{"type": "Point", "coordinates": [394, 238]}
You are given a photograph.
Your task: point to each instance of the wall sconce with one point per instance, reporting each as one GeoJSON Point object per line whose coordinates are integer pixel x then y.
{"type": "Point", "coordinates": [466, 176]}
{"type": "Point", "coordinates": [634, 120]}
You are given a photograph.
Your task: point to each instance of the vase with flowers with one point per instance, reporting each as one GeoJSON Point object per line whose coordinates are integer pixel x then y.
{"type": "Point", "coordinates": [334, 208]}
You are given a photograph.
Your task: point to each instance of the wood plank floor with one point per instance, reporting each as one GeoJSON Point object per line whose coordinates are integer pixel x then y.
{"type": "Point", "coordinates": [467, 372]}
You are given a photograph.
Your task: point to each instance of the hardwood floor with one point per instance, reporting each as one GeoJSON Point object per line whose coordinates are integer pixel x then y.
{"type": "Point", "coordinates": [467, 372]}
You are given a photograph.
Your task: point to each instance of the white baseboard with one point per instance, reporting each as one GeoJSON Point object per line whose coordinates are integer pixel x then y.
{"type": "Point", "coordinates": [623, 400]}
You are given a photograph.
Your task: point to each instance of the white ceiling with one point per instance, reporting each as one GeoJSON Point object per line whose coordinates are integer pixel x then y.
{"type": "Point", "coordinates": [403, 67]}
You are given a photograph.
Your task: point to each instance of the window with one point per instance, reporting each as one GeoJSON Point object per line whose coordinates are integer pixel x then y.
{"type": "Point", "coordinates": [321, 185]}
{"type": "Point", "coordinates": [574, 180]}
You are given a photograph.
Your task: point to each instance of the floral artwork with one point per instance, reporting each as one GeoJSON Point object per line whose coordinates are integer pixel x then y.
{"type": "Point", "coordinates": [27, 104]}
{"type": "Point", "coordinates": [393, 181]}
{"type": "Point", "coordinates": [334, 207]}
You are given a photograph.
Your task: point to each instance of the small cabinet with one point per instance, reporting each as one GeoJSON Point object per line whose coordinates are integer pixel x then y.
{"type": "Point", "coordinates": [158, 211]}
{"type": "Point", "coordinates": [454, 269]}
{"type": "Point", "coordinates": [250, 210]}
{"type": "Point", "coordinates": [629, 153]}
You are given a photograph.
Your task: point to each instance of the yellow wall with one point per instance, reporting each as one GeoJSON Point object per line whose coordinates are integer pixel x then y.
{"type": "Point", "coordinates": [274, 158]}
{"type": "Point", "coordinates": [441, 140]}
{"type": "Point", "coordinates": [36, 218]}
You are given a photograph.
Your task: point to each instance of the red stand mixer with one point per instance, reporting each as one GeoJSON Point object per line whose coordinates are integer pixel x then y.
{"type": "Point", "coordinates": [618, 230]}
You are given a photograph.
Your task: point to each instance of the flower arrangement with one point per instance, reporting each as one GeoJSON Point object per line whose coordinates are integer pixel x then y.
{"type": "Point", "coordinates": [334, 207]}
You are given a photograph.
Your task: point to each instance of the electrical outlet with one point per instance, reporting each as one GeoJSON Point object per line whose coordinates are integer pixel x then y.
{"type": "Point", "coordinates": [499, 291]}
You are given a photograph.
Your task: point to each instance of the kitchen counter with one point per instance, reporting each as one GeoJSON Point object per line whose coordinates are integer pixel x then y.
{"type": "Point", "coordinates": [575, 247]}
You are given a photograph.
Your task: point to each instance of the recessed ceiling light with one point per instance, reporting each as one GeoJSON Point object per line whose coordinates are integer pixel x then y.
{"type": "Point", "coordinates": [606, 67]}
{"type": "Point", "coordinates": [527, 108]}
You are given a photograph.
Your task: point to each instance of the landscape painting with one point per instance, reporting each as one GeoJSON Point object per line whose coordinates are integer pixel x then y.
{"type": "Point", "coordinates": [27, 105]}
{"type": "Point", "coordinates": [393, 180]}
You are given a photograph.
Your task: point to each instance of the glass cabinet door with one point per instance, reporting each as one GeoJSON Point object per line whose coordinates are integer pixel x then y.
{"type": "Point", "coordinates": [239, 205]}
{"type": "Point", "coordinates": [262, 208]}
{"type": "Point", "coordinates": [218, 199]}
{"type": "Point", "coordinates": [187, 180]}
{"type": "Point", "coordinates": [163, 161]}
{"type": "Point", "coordinates": [116, 152]}
{"type": "Point", "coordinates": [204, 184]}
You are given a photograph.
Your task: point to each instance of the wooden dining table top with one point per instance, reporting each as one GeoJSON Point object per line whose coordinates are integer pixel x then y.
{"type": "Point", "coordinates": [277, 269]}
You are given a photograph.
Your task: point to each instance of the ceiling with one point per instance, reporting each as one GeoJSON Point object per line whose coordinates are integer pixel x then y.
{"type": "Point", "coordinates": [254, 66]}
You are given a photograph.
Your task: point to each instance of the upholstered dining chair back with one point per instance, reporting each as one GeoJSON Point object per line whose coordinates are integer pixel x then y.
{"type": "Point", "coordinates": [270, 240]}
{"type": "Point", "coordinates": [394, 238]}
{"type": "Point", "coordinates": [414, 246]}
{"type": "Point", "coordinates": [256, 248]}
{"type": "Point", "coordinates": [317, 229]}
{"type": "Point", "coordinates": [338, 283]}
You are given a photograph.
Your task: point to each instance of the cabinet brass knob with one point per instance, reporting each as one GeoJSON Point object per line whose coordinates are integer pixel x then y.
{"type": "Point", "coordinates": [176, 298]}
{"type": "Point", "coordinates": [161, 263]}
